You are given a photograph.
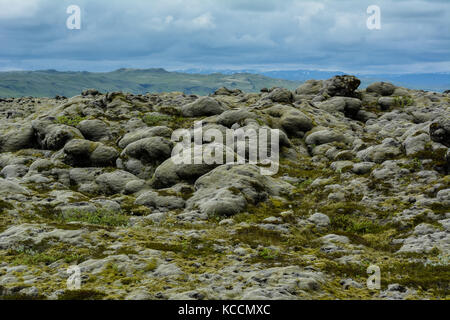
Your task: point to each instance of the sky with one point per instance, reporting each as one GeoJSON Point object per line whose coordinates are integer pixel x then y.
{"type": "Point", "coordinates": [226, 34]}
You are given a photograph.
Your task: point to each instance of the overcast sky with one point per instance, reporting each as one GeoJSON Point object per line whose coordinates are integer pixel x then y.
{"type": "Point", "coordinates": [231, 34]}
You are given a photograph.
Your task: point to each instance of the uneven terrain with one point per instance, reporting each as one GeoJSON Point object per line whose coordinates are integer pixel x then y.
{"type": "Point", "coordinates": [363, 181]}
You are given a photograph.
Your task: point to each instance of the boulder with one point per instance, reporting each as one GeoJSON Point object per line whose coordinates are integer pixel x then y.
{"type": "Point", "coordinates": [153, 199]}
{"type": "Point", "coordinates": [344, 86]}
{"type": "Point", "coordinates": [440, 131]}
{"type": "Point", "coordinates": [416, 144]}
{"type": "Point", "coordinates": [363, 167]}
{"type": "Point", "coordinates": [94, 130]}
{"type": "Point", "coordinates": [17, 139]}
{"type": "Point", "coordinates": [281, 95]}
{"type": "Point", "coordinates": [8, 187]}
{"type": "Point", "coordinates": [205, 106]}
{"type": "Point", "coordinates": [14, 171]}
{"type": "Point", "coordinates": [84, 153]}
{"type": "Point", "coordinates": [386, 103]}
{"type": "Point", "coordinates": [324, 136]}
{"type": "Point", "coordinates": [381, 88]}
{"type": "Point", "coordinates": [170, 173]}
{"type": "Point", "coordinates": [295, 122]}
{"type": "Point", "coordinates": [290, 119]}
{"type": "Point", "coordinates": [185, 165]}
{"type": "Point", "coordinates": [149, 150]}
{"type": "Point", "coordinates": [320, 219]}
{"type": "Point", "coordinates": [52, 136]}
{"type": "Point", "coordinates": [114, 182]}
{"type": "Point", "coordinates": [229, 188]}
{"type": "Point", "coordinates": [310, 87]}
{"type": "Point", "coordinates": [348, 106]}
{"type": "Point", "coordinates": [160, 131]}
{"type": "Point", "coordinates": [389, 149]}
{"type": "Point", "coordinates": [230, 117]}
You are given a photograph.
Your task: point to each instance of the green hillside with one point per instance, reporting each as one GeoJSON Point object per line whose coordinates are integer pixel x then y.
{"type": "Point", "coordinates": [49, 83]}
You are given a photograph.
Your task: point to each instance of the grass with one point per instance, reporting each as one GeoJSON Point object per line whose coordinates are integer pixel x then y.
{"type": "Point", "coordinates": [154, 120]}
{"type": "Point", "coordinates": [255, 236]}
{"type": "Point", "coordinates": [30, 257]}
{"type": "Point", "coordinates": [48, 252]}
{"type": "Point", "coordinates": [402, 102]}
{"type": "Point", "coordinates": [267, 254]}
{"type": "Point", "coordinates": [99, 217]}
{"type": "Point", "coordinates": [73, 122]}
{"type": "Point", "coordinates": [352, 224]}
{"type": "Point", "coordinates": [186, 248]}
{"type": "Point", "coordinates": [173, 121]}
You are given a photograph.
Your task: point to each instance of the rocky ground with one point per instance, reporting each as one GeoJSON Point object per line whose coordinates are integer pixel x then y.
{"type": "Point", "coordinates": [363, 181]}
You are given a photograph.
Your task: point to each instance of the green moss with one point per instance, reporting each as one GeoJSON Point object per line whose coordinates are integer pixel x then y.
{"type": "Point", "coordinates": [151, 266]}
{"type": "Point", "coordinates": [154, 120]}
{"type": "Point", "coordinates": [419, 276]}
{"type": "Point", "coordinates": [359, 225]}
{"type": "Point", "coordinates": [5, 206]}
{"type": "Point", "coordinates": [234, 190]}
{"type": "Point", "coordinates": [73, 121]}
{"type": "Point", "coordinates": [380, 241]}
{"type": "Point", "coordinates": [345, 208]}
{"type": "Point", "coordinates": [185, 194]}
{"type": "Point", "coordinates": [126, 250]}
{"type": "Point", "coordinates": [47, 253]}
{"type": "Point", "coordinates": [267, 254]}
{"type": "Point", "coordinates": [129, 280]}
{"type": "Point", "coordinates": [257, 213]}
{"type": "Point", "coordinates": [439, 208]}
{"type": "Point", "coordinates": [100, 217]}
{"type": "Point", "coordinates": [403, 101]}
{"type": "Point", "coordinates": [31, 258]}
{"type": "Point", "coordinates": [129, 207]}
{"type": "Point", "coordinates": [186, 248]}
{"type": "Point", "coordinates": [303, 169]}
{"type": "Point", "coordinates": [172, 111]}
{"type": "Point", "coordinates": [254, 236]}
{"type": "Point", "coordinates": [304, 184]}
{"type": "Point", "coordinates": [353, 270]}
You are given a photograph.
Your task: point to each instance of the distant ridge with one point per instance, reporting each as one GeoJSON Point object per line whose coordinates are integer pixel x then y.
{"type": "Point", "coordinates": [439, 81]}
{"type": "Point", "coordinates": [49, 83]}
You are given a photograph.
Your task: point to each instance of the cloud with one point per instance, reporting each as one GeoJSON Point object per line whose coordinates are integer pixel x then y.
{"type": "Point", "coordinates": [235, 33]}
{"type": "Point", "coordinates": [204, 21]}
{"type": "Point", "coordinates": [13, 9]}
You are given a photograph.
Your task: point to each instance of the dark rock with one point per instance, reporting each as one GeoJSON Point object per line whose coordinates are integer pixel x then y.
{"type": "Point", "coordinates": [281, 95]}
{"type": "Point", "coordinates": [344, 86]}
{"type": "Point", "coordinates": [440, 131]}
{"type": "Point", "coordinates": [381, 88]}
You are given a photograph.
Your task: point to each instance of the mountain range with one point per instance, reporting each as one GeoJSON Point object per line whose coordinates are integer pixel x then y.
{"type": "Point", "coordinates": [49, 83]}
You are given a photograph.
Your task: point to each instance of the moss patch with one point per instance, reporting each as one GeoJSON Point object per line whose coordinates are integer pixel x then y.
{"type": "Point", "coordinates": [100, 217]}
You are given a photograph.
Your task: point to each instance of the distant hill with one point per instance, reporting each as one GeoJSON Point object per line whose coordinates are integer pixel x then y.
{"type": "Point", "coordinates": [49, 83]}
{"type": "Point", "coordinates": [419, 81]}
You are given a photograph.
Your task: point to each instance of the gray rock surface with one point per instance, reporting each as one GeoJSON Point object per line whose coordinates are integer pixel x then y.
{"type": "Point", "coordinates": [362, 180]}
